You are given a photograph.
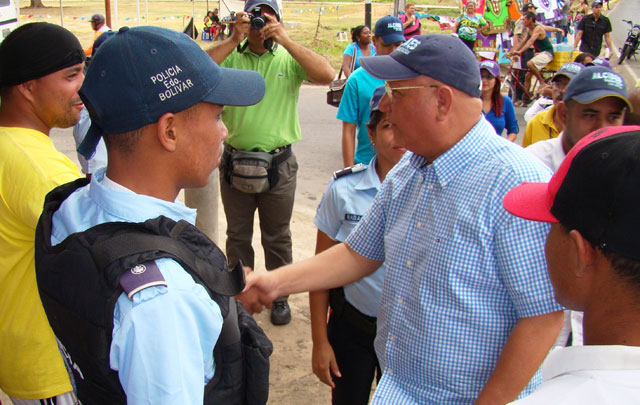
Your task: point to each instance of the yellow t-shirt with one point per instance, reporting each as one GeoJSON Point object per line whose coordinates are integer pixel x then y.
{"type": "Point", "coordinates": [541, 127]}
{"type": "Point", "coordinates": [31, 366]}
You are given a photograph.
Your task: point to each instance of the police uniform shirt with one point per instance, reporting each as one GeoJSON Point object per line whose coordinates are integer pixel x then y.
{"type": "Point", "coordinates": [345, 201]}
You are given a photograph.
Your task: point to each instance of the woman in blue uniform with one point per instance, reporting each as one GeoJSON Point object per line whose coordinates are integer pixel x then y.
{"type": "Point", "coordinates": [343, 353]}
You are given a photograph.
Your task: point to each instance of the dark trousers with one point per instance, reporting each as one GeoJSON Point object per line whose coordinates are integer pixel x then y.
{"type": "Point", "coordinates": [469, 44]}
{"type": "Point", "coordinates": [357, 361]}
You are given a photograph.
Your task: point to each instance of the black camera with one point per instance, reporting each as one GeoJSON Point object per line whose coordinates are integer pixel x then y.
{"type": "Point", "coordinates": [257, 22]}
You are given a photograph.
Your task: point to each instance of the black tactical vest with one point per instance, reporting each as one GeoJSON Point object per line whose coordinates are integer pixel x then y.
{"type": "Point", "coordinates": [79, 283]}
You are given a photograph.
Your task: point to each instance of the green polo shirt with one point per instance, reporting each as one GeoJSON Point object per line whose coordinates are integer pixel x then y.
{"type": "Point", "coordinates": [273, 122]}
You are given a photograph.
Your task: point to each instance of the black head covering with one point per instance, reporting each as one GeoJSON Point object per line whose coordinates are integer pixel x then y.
{"type": "Point", "coordinates": [36, 50]}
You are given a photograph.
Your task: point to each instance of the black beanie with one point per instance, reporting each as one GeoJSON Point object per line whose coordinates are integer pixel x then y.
{"type": "Point", "coordinates": [35, 50]}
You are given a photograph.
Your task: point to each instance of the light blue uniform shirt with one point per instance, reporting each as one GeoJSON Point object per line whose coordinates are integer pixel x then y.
{"type": "Point", "coordinates": [343, 203]}
{"type": "Point", "coordinates": [461, 271]}
{"type": "Point", "coordinates": [163, 339]}
{"type": "Point", "coordinates": [354, 108]}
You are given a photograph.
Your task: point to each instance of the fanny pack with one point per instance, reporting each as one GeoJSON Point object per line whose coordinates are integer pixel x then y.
{"type": "Point", "coordinates": [253, 171]}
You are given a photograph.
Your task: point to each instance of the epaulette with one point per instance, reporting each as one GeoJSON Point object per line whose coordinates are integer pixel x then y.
{"type": "Point", "coordinates": [142, 276]}
{"type": "Point", "coordinates": [349, 170]}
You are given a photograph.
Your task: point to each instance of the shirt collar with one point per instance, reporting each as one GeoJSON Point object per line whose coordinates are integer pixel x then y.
{"type": "Point", "coordinates": [132, 207]}
{"type": "Point", "coordinates": [547, 118]}
{"type": "Point", "coordinates": [580, 358]}
{"type": "Point", "coordinates": [557, 153]}
{"type": "Point", "coordinates": [455, 159]}
{"type": "Point", "coordinates": [370, 179]}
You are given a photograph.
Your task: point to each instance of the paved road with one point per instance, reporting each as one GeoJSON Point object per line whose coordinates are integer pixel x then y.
{"type": "Point", "coordinates": [627, 10]}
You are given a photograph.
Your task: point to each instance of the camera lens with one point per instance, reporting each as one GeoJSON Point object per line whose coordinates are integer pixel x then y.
{"type": "Point", "coordinates": [257, 23]}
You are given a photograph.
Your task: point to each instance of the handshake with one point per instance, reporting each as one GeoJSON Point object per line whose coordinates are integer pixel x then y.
{"type": "Point", "coordinates": [259, 291]}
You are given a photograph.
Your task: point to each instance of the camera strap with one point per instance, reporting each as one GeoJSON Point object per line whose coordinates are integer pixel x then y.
{"type": "Point", "coordinates": [268, 44]}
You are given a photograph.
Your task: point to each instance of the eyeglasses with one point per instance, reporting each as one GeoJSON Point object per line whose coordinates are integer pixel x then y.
{"type": "Point", "coordinates": [389, 91]}
{"type": "Point", "coordinates": [487, 77]}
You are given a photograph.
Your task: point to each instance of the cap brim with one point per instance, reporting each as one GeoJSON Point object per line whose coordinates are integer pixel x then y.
{"type": "Point", "coordinates": [567, 75]}
{"type": "Point", "coordinates": [237, 88]}
{"type": "Point", "coordinates": [90, 142]}
{"type": "Point", "coordinates": [391, 39]}
{"type": "Point", "coordinates": [384, 67]}
{"type": "Point", "coordinates": [530, 201]}
{"type": "Point", "coordinates": [595, 95]}
{"type": "Point", "coordinates": [264, 3]}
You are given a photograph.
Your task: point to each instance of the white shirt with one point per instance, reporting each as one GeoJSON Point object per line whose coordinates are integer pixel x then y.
{"type": "Point", "coordinates": [549, 151]}
{"type": "Point", "coordinates": [589, 375]}
{"type": "Point", "coordinates": [541, 104]}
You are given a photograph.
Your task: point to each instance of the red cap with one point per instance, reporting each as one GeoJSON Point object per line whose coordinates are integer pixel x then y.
{"type": "Point", "coordinates": [536, 201]}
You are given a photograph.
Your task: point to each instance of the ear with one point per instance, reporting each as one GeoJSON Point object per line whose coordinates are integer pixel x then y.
{"type": "Point", "coordinates": [585, 253]}
{"type": "Point", "coordinates": [444, 102]}
{"type": "Point", "coordinates": [26, 89]}
{"type": "Point", "coordinates": [167, 132]}
{"type": "Point", "coordinates": [561, 111]}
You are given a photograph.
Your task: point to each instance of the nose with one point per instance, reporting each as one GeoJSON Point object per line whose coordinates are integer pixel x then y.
{"type": "Point", "coordinates": [225, 131]}
{"type": "Point", "coordinates": [385, 104]}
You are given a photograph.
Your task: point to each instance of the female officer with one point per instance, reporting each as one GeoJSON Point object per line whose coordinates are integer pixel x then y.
{"type": "Point", "coordinates": [343, 353]}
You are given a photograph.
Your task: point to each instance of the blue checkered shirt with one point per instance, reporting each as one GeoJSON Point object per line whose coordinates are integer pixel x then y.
{"type": "Point", "coordinates": [461, 271]}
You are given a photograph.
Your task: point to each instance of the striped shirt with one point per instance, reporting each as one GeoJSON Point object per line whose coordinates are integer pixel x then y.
{"type": "Point", "coordinates": [461, 271]}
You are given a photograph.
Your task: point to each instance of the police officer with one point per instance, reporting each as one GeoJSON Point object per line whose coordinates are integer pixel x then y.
{"type": "Point", "coordinates": [343, 353]}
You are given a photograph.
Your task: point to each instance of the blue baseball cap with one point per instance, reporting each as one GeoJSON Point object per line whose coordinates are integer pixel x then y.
{"type": "Point", "coordinates": [374, 103]}
{"type": "Point", "coordinates": [141, 73]}
{"type": "Point", "coordinates": [251, 5]}
{"type": "Point", "coordinates": [441, 57]}
{"type": "Point", "coordinates": [594, 83]}
{"type": "Point", "coordinates": [600, 62]}
{"type": "Point", "coordinates": [490, 66]}
{"type": "Point", "coordinates": [596, 2]}
{"type": "Point", "coordinates": [569, 70]}
{"type": "Point", "coordinates": [389, 28]}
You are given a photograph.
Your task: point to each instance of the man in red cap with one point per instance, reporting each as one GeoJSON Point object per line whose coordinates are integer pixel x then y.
{"type": "Point", "coordinates": [594, 265]}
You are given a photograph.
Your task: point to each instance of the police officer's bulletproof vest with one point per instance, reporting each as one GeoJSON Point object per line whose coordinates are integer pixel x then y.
{"type": "Point", "coordinates": [80, 280]}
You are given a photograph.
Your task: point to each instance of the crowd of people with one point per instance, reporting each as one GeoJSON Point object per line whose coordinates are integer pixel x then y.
{"type": "Point", "coordinates": [452, 265]}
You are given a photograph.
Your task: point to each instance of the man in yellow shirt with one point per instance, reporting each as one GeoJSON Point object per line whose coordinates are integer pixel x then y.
{"type": "Point", "coordinates": [41, 68]}
{"type": "Point", "coordinates": [542, 126]}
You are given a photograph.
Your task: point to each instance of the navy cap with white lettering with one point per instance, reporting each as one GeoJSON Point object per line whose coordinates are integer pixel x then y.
{"type": "Point", "coordinates": [141, 73]}
{"type": "Point", "coordinates": [441, 57]}
{"type": "Point", "coordinates": [594, 83]}
{"type": "Point", "coordinates": [389, 28]}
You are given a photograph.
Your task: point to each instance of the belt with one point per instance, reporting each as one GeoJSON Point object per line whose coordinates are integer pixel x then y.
{"type": "Point", "coordinates": [273, 152]}
{"type": "Point", "coordinates": [343, 308]}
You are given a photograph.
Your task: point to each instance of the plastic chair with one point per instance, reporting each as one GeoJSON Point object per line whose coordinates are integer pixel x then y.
{"type": "Point", "coordinates": [206, 34]}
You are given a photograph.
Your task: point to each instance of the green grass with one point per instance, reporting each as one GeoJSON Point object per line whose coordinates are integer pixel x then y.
{"type": "Point", "coordinates": [313, 24]}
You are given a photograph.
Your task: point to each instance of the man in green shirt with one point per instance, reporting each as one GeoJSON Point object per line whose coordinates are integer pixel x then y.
{"type": "Point", "coordinates": [258, 169]}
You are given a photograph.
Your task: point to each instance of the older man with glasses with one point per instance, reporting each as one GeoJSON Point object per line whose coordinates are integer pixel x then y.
{"type": "Point", "coordinates": [467, 311]}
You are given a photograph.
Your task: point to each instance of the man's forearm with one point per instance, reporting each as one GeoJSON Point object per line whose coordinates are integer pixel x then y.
{"type": "Point", "coordinates": [607, 38]}
{"type": "Point", "coordinates": [577, 40]}
{"type": "Point", "coordinates": [221, 50]}
{"type": "Point", "coordinates": [335, 267]}
{"type": "Point", "coordinates": [318, 68]}
{"type": "Point", "coordinates": [524, 352]}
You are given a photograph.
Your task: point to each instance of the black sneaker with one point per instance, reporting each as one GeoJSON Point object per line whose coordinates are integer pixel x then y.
{"type": "Point", "coordinates": [280, 313]}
